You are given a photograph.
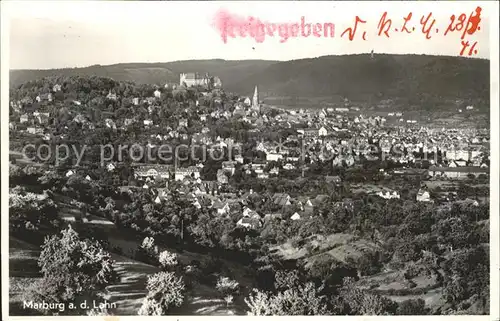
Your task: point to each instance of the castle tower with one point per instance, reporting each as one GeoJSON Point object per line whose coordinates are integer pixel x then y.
{"type": "Point", "coordinates": [255, 100]}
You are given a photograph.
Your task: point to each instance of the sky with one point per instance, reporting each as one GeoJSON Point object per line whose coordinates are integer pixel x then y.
{"type": "Point", "coordinates": [57, 34]}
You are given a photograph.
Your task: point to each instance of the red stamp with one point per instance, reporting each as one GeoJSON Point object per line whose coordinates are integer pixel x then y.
{"type": "Point", "coordinates": [234, 26]}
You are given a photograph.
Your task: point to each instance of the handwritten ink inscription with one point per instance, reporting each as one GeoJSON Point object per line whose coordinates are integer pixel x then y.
{"type": "Point", "coordinates": [234, 26]}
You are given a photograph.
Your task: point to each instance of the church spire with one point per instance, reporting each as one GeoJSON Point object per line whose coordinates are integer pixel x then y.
{"type": "Point", "coordinates": [255, 101]}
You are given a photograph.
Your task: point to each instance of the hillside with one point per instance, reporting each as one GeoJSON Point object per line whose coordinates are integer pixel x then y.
{"type": "Point", "coordinates": [414, 78]}
{"type": "Point", "coordinates": [410, 80]}
{"type": "Point", "coordinates": [159, 73]}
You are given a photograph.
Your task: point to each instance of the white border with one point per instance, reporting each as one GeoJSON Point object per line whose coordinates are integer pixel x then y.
{"type": "Point", "coordinates": [490, 7]}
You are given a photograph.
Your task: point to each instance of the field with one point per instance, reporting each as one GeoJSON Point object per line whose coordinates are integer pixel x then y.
{"type": "Point", "coordinates": [337, 247]}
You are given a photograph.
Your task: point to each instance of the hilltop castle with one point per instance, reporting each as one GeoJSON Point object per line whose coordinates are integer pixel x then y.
{"type": "Point", "coordinates": [195, 79]}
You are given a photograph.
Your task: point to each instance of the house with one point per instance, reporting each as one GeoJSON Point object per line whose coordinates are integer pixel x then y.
{"type": "Point", "coordinates": [183, 123]}
{"type": "Point", "coordinates": [456, 172]}
{"type": "Point", "coordinates": [282, 199]}
{"type": "Point", "coordinates": [128, 121]}
{"type": "Point", "coordinates": [110, 167]}
{"type": "Point", "coordinates": [221, 177]}
{"type": "Point", "coordinates": [80, 119]}
{"type": "Point", "coordinates": [388, 194]}
{"type": "Point", "coordinates": [273, 157]}
{"type": "Point", "coordinates": [56, 88]}
{"type": "Point", "coordinates": [201, 139]}
{"type": "Point", "coordinates": [221, 207]}
{"type": "Point", "coordinates": [307, 206]}
{"type": "Point", "coordinates": [308, 133]}
{"type": "Point", "coordinates": [157, 93]}
{"type": "Point", "coordinates": [239, 111]}
{"type": "Point", "coordinates": [70, 173]}
{"type": "Point", "coordinates": [322, 132]}
{"type": "Point", "coordinates": [188, 172]}
{"type": "Point", "coordinates": [260, 147]}
{"type": "Point", "coordinates": [45, 97]}
{"type": "Point", "coordinates": [111, 96]}
{"type": "Point", "coordinates": [88, 178]}
{"type": "Point", "coordinates": [228, 167]}
{"type": "Point", "coordinates": [262, 175]}
{"type": "Point", "coordinates": [110, 123]}
{"type": "Point", "coordinates": [196, 203]}
{"type": "Point", "coordinates": [272, 216]}
{"type": "Point", "coordinates": [295, 216]}
{"type": "Point", "coordinates": [152, 171]}
{"type": "Point", "coordinates": [469, 107]}
{"type": "Point", "coordinates": [148, 122]}
{"type": "Point", "coordinates": [23, 119]}
{"type": "Point", "coordinates": [238, 159]}
{"type": "Point", "coordinates": [135, 101]}
{"type": "Point", "coordinates": [203, 118]}
{"type": "Point", "coordinates": [247, 212]}
{"type": "Point", "coordinates": [341, 109]}
{"type": "Point", "coordinates": [288, 166]}
{"type": "Point", "coordinates": [35, 130]}
{"type": "Point", "coordinates": [423, 196]}
{"type": "Point", "coordinates": [43, 118]}
{"type": "Point", "coordinates": [333, 179]}
{"type": "Point", "coordinates": [149, 100]}
{"type": "Point", "coordinates": [249, 222]}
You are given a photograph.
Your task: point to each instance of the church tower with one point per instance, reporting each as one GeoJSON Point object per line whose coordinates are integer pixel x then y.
{"type": "Point", "coordinates": [255, 100]}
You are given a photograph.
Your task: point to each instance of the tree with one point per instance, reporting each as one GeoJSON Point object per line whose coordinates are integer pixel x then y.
{"type": "Point", "coordinates": [71, 267]}
{"type": "Point", "coordinates": [301, 300]}
{"type": "Point", "coordinates": [168, 260]}
{"type": "Point", "coordinates": [150, 307]}
{"type": "Point", "coordinates": [226, 286]}
{"type": "Point", "coordinates": [363, 303]}
{"type": "Point", "coordinates": [148, 251]}
{"type": "Point", "coordinates": [165, 291]}
{"type": "Point", "coordinates": [411, 307]}
{"type": "Point", "coordinates": [28, 211]}
{"type": "Point", "coordinates": [286, 280]}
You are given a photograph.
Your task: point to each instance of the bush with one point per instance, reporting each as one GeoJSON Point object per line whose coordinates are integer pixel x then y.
{"type": "Point", "coordinates": [412, 271]}
{"type": "Point", "coordinates": [411, 307]}
{"type": "Point", "coordinates": [286, 280]}
{"type": "Point", "coordinates": [71, 268]}
{"type": "Point", "coordinates": [369, 263]}
{"type": "Point", "coordinates": [148, 251]}
{"type": "Point", "coordinates": [165, 291]}
{"type": "Point", "coordinates": [226, 286]}
{"type": "Point", "coordinates": [302, 300]}
{"type": "Point", "coordinates": [150, 307]}
{"type": "Point", "coordinates": [168, 260]}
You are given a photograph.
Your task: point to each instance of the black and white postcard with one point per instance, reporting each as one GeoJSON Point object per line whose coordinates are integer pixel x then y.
{"type": "Point", "coordinates": [250, 158]}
